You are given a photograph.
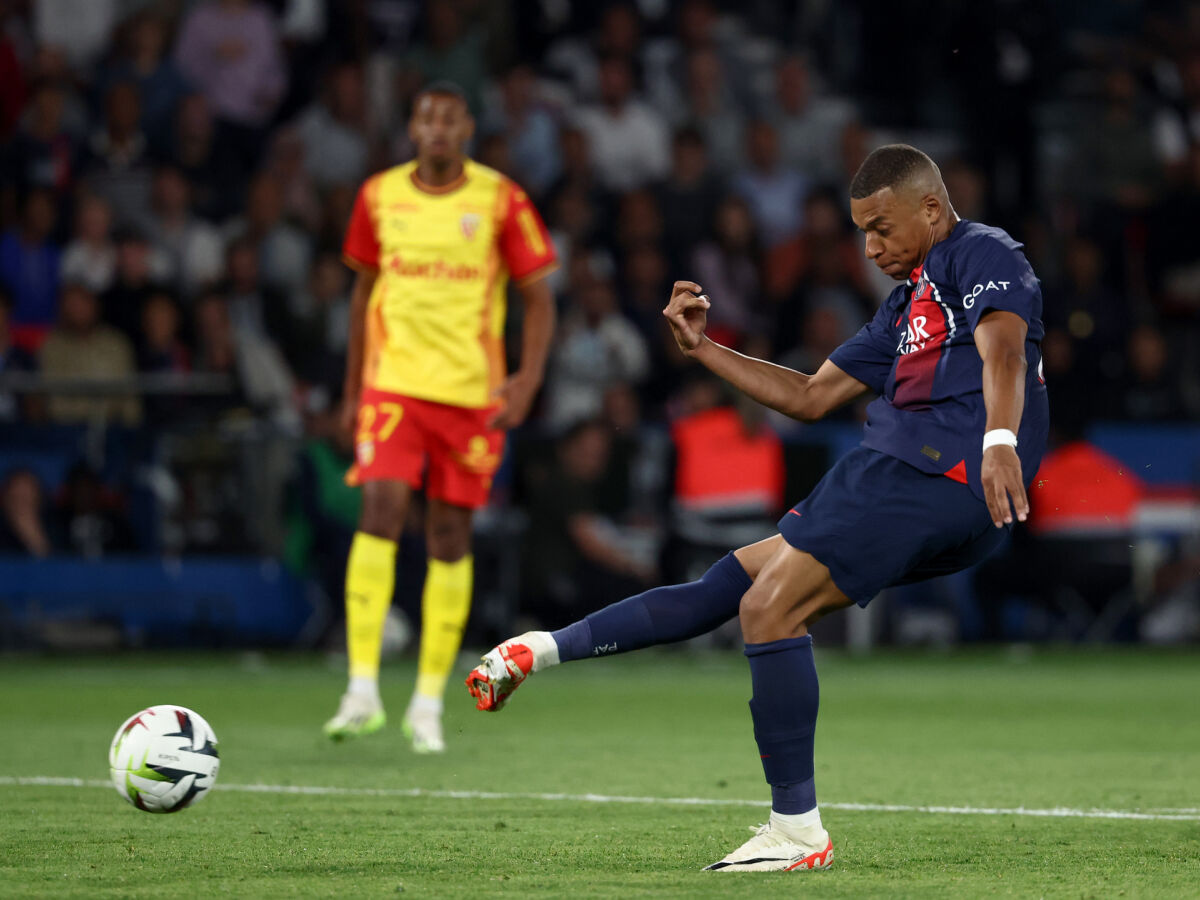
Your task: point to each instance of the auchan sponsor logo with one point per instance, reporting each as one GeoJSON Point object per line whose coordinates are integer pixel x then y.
{"type": "Point", "coordinates": [435, 269]}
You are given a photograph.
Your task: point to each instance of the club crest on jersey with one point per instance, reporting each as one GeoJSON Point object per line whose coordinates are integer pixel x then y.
{"type": "Point", "coordinates": [469, 224]}
{"type": "Point", "coordinates": [916, 332]}
{"type": "Point", "coordinates": [922, 285]}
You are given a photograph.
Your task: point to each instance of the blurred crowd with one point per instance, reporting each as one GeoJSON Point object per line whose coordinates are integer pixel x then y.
{"type": "Point", "coordinates": [176, 176]}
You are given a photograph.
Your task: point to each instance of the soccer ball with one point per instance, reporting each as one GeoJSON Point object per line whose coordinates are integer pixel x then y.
{"type": "Point", "coordinates": [163, 759]}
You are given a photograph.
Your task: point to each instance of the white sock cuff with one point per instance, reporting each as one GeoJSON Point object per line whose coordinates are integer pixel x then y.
{"type": "Point", "coordinates": [422, 704]}
{"type": "Point", "coordinates": [364, 687]}
{"type": "Point", "coordinates": [544, 647]}
{"type": "Point", "coordinates": [798, 821]}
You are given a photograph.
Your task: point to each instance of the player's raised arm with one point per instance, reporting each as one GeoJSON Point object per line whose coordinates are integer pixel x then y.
{"type": "Point", "coordinates": [799, 396]}
{"type": "Point", "coordinates": [1000, 338]}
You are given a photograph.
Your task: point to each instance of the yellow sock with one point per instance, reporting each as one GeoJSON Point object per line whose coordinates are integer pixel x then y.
{"type": "Point", "coordinates": [370, 580]}
{"type": "Point", "coordinates": [445, 606]}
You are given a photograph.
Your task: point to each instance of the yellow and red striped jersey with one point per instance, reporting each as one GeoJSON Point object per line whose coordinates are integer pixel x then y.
{"type": "Point", "coordinates": [435, 320]}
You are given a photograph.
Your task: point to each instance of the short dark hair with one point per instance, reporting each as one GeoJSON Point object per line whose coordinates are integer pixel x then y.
{"type": "Point", "coordinates": [889, 166]}
{"type": "Point", "coordinates": [441, 88]}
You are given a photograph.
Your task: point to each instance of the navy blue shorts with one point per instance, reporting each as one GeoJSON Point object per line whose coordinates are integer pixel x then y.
{"type": "Point", "coordinates": [875, 521]}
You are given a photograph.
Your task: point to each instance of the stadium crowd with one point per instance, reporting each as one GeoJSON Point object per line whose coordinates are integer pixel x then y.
{"type": "Point", "coordinates": [175, 180]}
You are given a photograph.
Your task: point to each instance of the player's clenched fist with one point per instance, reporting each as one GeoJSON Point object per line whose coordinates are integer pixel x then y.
{"type": "Point", "coordinates": [687, 312]}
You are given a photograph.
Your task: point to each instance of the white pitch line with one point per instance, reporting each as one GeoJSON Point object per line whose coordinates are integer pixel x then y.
{"type": "Point", "coordinates": [1058, 812]}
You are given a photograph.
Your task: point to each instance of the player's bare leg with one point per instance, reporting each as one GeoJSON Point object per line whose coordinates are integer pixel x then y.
{"type": "Point", "coordinates": [658, 616]}
{"type": "Point", "coordinates": [791, 591]}
{"type": "Point", "coordinates": [370, 581]}
{"type": "Point", "coordinates": [445, 605]}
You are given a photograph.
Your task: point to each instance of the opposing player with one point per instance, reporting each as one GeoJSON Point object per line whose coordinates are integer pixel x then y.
{"type": "Point", "coordinates": [959, 427]}
{"type": "Point", "coordinates": [434, 243]}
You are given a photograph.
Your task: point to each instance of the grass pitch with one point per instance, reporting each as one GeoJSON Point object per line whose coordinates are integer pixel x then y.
{"type": "Point", "coordinates": [1110, 730]}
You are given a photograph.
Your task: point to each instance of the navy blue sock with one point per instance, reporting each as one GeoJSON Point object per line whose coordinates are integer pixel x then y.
{"type": "Point", "coordinates": [661, 615]}
{"type": "Point", "coordinates": [784, 709]}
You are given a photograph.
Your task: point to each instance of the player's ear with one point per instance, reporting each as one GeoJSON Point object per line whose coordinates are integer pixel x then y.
{"type": "Point", "coordinates": [932, 207]}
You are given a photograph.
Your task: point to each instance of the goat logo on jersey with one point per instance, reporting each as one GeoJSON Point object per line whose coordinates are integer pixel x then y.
{"type": "Point", "coordinates": [969, 299]}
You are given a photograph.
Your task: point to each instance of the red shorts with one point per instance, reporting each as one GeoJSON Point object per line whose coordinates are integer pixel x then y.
{"type": "Point", "coordinates": [451, 448]}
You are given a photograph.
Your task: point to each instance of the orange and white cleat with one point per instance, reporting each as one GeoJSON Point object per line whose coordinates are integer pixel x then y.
{"type": "Point", "coordinates": [507, 665]}
{"type": "Point", "coordinates": [770, 850]}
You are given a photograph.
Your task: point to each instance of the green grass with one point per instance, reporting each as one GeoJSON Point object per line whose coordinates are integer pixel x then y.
{"type": "Point", "coordinates": [1111, 730]}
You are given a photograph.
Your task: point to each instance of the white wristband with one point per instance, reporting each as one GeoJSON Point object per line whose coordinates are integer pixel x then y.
{"type": "Point", "coordinates": [998, 436]}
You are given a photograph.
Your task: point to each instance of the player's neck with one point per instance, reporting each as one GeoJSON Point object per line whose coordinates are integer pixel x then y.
{"type": "Point", "coordinates": [946, 228]}
{"type": "Point", "coordinates": [940, 232]}
{"type": "Point", "coordinates": [438, 177]}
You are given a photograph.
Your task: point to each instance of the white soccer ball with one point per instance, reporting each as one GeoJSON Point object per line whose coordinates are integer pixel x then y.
{"type": "Point", "coordinates": [163, 759]}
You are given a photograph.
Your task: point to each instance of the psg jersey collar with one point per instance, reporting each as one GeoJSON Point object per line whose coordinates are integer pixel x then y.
{"type": "Point", "coordinates": [915, 275]}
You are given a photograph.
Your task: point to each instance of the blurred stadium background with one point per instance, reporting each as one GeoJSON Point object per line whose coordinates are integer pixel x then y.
{"type": "Point", "coordinates": [173, 308]}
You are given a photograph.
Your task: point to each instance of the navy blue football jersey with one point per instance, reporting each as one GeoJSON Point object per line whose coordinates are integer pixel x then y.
{"type": "Point", "coordinates": [919, 355]}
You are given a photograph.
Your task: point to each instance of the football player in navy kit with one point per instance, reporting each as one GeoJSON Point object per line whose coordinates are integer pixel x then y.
{"type": "Point", "coordinates": [955, 434]}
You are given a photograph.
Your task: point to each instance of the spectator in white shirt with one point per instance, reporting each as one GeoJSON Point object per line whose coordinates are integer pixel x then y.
{"type": "Point", "coordinates": [285, 252]}
{"type": "Point", "coordinates": [90, 259]}
{"type": "Point", "coordinates": [333, 130]}
{"type": "Point", "coordinates": [710, 106]}
{"type": "Point", "coordinates": [194, 247]}
{"type": "Point", "coordinates": [775, 192]}
{"type": "Point", "coordinates": [1178, 126]}
{"type": "Point", "coordinates": [629, 142]}
{"type": "Point", "coordinates": [596, 348]}
{"type": "Point", "coordinates": [530, 127]}
{"type": "Point", "coordinates": [809, 125]}
{"type": "Point", "coordinates": [80, 29]}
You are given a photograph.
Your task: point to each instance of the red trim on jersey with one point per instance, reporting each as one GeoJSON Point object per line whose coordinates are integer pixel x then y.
{"type": "Point", "coordinates": [537, 274]}
{"type": "Point", "coordinates": [361, 245]}
{"type": "Point", "coordinates": [959, 472]}
{"type": "Point", "coordinates": [524, 242]}
{"type": "Point", "coordinates": [436, 189]}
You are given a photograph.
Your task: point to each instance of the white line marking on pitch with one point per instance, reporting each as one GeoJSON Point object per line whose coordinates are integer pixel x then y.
{"type": "Point", "coordinates": [1058, 812]}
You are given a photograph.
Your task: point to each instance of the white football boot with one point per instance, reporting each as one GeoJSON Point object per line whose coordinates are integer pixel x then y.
{"type": "Point", "coordinates": [770, 850]}
{"type": "Point", "coordinates": [507, 665]}
{"type": "Point", "coordinates": [358, 714]}
{"type": "Point", "coordinates": [423, 727]}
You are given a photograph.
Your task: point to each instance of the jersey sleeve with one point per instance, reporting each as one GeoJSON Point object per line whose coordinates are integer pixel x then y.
{"type": "Point", "coordinates": [361, 246]}
{"type": "Point", "coordinates": [991, 276]}
{"type": "Point", "coordinates": [525, 244]}
{"type": "Point", "coordinates": [869, 355]}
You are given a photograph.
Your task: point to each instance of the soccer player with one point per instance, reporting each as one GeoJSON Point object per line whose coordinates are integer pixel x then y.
{"type": "Point", "coordinates": [434, 243]}
{"type": "Point", "coordinates": [957, 430]}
